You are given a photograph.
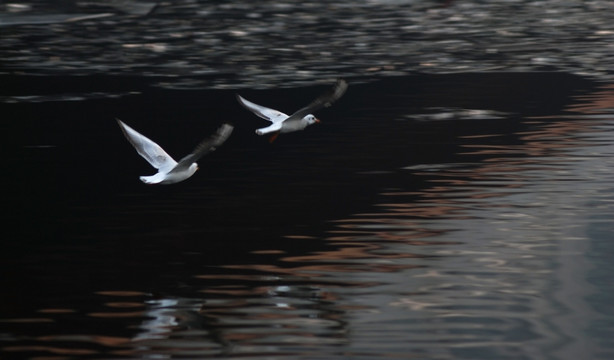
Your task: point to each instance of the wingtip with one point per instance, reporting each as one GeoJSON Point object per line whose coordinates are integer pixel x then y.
{"type": "Point", "coordinates": [223, 133]}
{"type": "Point", "coordinates": [123, 126]}
{"type": "Point", "coordinates": [242, 101]}
{"type": "Point", "coordinates": [337, 91]}
{"type": "Point", "coordinates": [341, 86]}
{"type": "Point", "coordinates": [226, 128]}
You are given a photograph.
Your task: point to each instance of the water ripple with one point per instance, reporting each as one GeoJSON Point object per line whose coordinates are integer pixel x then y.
{"type": "Point", "coordinates": [487, 238]}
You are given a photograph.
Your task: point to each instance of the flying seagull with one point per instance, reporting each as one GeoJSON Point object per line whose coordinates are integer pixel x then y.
{"type": "Point", "coordinates": [282, 123]}
{"type": "Point", "coordinates": [170, 171]}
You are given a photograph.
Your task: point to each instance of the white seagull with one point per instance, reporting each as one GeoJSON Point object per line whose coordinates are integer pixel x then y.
{"type": "Point", "coordinates": [170, 171]}
{"type": "Point", "coordinates": [282, 123]}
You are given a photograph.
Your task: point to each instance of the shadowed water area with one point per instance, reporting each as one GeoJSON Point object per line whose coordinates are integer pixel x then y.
{"type": "Point", "coordinates": [455, 203]}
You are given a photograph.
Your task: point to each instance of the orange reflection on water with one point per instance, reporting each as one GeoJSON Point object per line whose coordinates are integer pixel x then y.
{"type": "Point", "coordinates": [231, 291]}
{"type": "Point", "coordinates": [51, 349]}
{"type": "Point", "coordinates": [121, 293]}
{"type": "Point", "coordinates": [596, 102]}
{"type": "Point", "coordinates": [306, 271]}
{"type": "Point", "coordinates": [405, 228]}
{"type": "Point", "coordinates": [505, 167]}
{"type": "Point", "coordinates": [56, 311]}
{"type": "Point", "coordinates": [117, 314]}
{"type": "Point", "coordinates": [112, 341]}
{"type": "Point", "coordinates": [27, 320]}
{"type": "Point", "coordinates": [124, 304]}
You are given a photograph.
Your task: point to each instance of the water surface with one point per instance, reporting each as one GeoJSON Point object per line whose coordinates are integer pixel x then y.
{"type": "Point", "coordinates": [456, 203]}
{"type": "Point", "coordinates": [413, 222]}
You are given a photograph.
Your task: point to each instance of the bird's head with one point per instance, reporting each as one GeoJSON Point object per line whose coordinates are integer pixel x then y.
{"type": "Point", "coordinates": [310, 119]}
{"type": "Point", "coordinates": [193, 168]}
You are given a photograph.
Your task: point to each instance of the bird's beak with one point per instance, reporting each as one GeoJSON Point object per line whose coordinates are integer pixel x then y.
{"type": "Point", "coordinates": [318, 121]}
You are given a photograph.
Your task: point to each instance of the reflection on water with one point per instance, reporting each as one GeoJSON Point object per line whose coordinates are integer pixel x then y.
{"type": "Point", "coordinates": [503, 251]}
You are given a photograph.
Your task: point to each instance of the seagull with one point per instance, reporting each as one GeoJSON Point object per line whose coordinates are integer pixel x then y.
{"type": "Point", "coordinates": [282, 123]}
{"type": "Point", "coordinates": [170, 171]}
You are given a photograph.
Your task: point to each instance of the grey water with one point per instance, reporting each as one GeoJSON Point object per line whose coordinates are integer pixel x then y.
{"type": "Point", "coordinates": [463, 212]}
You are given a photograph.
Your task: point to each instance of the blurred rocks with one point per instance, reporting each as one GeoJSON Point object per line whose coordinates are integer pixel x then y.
{"type": "Point", "coordinates": [205, 44]}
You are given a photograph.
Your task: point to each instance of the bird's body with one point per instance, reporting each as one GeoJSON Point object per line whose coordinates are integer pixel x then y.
{"type": "Point", "coordinates": [282, 123]}
{"type": "Point", "coordinates": [171, 177]}
{"type": "Point", "coordinates": [169, 170]}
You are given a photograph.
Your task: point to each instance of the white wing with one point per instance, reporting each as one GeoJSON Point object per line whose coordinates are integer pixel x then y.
{"type": "Point", "coordinates": [148, 149]}
{"type": "Point", "coordinates": [271, 115]}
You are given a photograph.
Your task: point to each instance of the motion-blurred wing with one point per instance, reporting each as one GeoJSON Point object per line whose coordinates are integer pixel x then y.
{"type": "Point", "coordinates": [206, 146]}
{"type": "Point", "coordinates": [324, 100]}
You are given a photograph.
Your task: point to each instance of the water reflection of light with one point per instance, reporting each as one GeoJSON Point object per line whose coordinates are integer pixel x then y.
{"type": "Point", "coordinates": [492, 248]}
{"type": "Point", "coordinates": [599, 102]}
{"type": "Point", "coordinates": [485, 258]}
{"type": "Point", "coordinates": [163, 318]}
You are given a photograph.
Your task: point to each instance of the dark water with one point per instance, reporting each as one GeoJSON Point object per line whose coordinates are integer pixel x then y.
{"type": "Point", "coordinates": [429, 216]}
{"type": "Point", "coordinates": [414, 222]}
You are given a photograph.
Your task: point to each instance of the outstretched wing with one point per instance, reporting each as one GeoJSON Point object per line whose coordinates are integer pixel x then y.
{"type": "Point", "coordinates": [149, 150]}
{"type": "Point", "coordinates": [324, 100]}
{"type": "Point", "coordinates": [266, 113]}
{"type": "Point", "coordinates": [205, 146]}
